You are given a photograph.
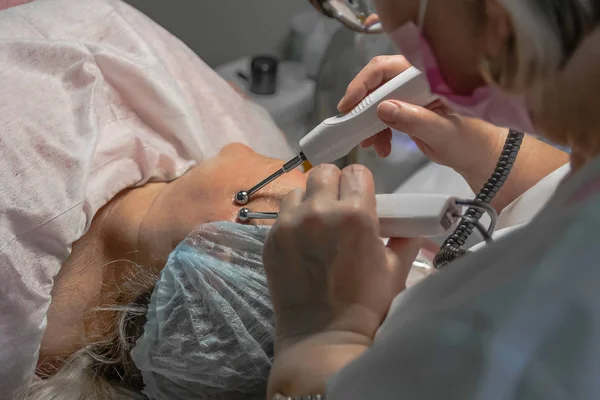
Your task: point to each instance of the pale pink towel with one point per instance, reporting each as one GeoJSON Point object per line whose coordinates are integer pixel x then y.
{"type": "Point", "coordinates": [94, 98]}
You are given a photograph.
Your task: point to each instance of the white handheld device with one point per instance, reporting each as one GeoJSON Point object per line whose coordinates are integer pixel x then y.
{"type": "Point", "coordinates": [401, 215]}
{"type": "Point", "coordinates": [335, 137]}
{"type": "Point", "coordinates": [416, 215]}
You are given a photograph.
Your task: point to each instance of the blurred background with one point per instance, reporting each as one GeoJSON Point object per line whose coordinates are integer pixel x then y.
{"type": "Point", "coordinates": [222, 30]}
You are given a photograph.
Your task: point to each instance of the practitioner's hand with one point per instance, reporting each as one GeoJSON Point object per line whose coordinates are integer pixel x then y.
{"type": "Point", "coordinates": [326, 264]}
{"type": "Point", "coordinates": [467, 145]}
{"type": "Point", "coordinates": [330, 276]}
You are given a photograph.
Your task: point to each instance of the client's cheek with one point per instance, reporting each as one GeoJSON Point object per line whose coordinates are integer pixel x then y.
{"type": "Point", "coordinates": [291, 181]}
{"type": "Point", "coordinates": [269, 198]}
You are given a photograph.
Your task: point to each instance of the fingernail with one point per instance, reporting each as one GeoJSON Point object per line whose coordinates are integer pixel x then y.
{"type": "Point", "coordinates": [387, 111]}
{"type": "Point", "coordinates": [341, 102]}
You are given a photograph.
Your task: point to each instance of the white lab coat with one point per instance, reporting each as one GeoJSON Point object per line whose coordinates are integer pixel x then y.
{"type": "Point", "coordinates": [519, 319]}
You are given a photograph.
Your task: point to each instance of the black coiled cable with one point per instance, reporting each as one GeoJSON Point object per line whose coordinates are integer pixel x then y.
{"type": "Point", "coordinates": [451, 249]}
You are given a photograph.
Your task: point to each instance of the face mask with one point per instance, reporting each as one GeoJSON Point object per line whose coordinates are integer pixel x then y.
{"type": "Point", "coordinates": [487, 102]}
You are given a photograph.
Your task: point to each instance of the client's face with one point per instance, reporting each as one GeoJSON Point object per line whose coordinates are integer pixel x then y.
{"type": "Point", "coordinates": [204, 194]}
{"type": "Point", "coordinates": [143, 225]}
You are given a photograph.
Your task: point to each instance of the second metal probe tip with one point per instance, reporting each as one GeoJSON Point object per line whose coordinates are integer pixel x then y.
{"type": "Point", "coordinates": [245, 215]}
{"type": "Point", "coordinates": [243, 197]}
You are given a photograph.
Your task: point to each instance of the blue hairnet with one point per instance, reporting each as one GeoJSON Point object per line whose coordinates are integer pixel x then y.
{"type": "Point", "coordinates": [210, 323]}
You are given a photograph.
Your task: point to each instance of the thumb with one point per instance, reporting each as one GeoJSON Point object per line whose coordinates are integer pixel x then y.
{"type": "Point", "coordinates": [413, 120]}
{"type": "Point", "coordinates": [402, 253]}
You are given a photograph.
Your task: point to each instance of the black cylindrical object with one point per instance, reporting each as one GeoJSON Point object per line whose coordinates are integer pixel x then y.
{"type": "Point", "coordinates": [263, 75]}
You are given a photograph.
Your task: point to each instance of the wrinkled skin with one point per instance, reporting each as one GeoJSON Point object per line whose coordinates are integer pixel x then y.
{"type": "Point", "coordinates": [142, 226]}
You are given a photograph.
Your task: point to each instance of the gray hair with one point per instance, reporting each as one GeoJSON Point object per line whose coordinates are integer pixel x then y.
{"type": "Point", "coordinates": [547, 33]}
{"type": "Point", "coordinates": [104, 370]}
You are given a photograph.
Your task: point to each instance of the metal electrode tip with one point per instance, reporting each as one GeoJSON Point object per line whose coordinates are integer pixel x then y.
{"type": "Point", "coordinates": [242, 198]}
{"type": "Point", "coordinates": [243, 215]}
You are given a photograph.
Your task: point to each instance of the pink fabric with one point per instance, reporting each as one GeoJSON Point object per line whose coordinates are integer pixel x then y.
{"type": "Point", "coordinates": [95, 98]}
{"type": "Point", "coordinates": [12, 3]}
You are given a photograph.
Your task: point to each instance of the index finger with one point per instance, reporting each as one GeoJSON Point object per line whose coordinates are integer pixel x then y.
{"type": "Point", "coordinates": [323, 183]}
{"type": "Point", "coordinates": [380, 70]}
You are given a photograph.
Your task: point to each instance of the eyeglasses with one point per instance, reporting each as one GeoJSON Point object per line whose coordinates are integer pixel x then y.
{"type": "Point", "coordinates": [351, 13]}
